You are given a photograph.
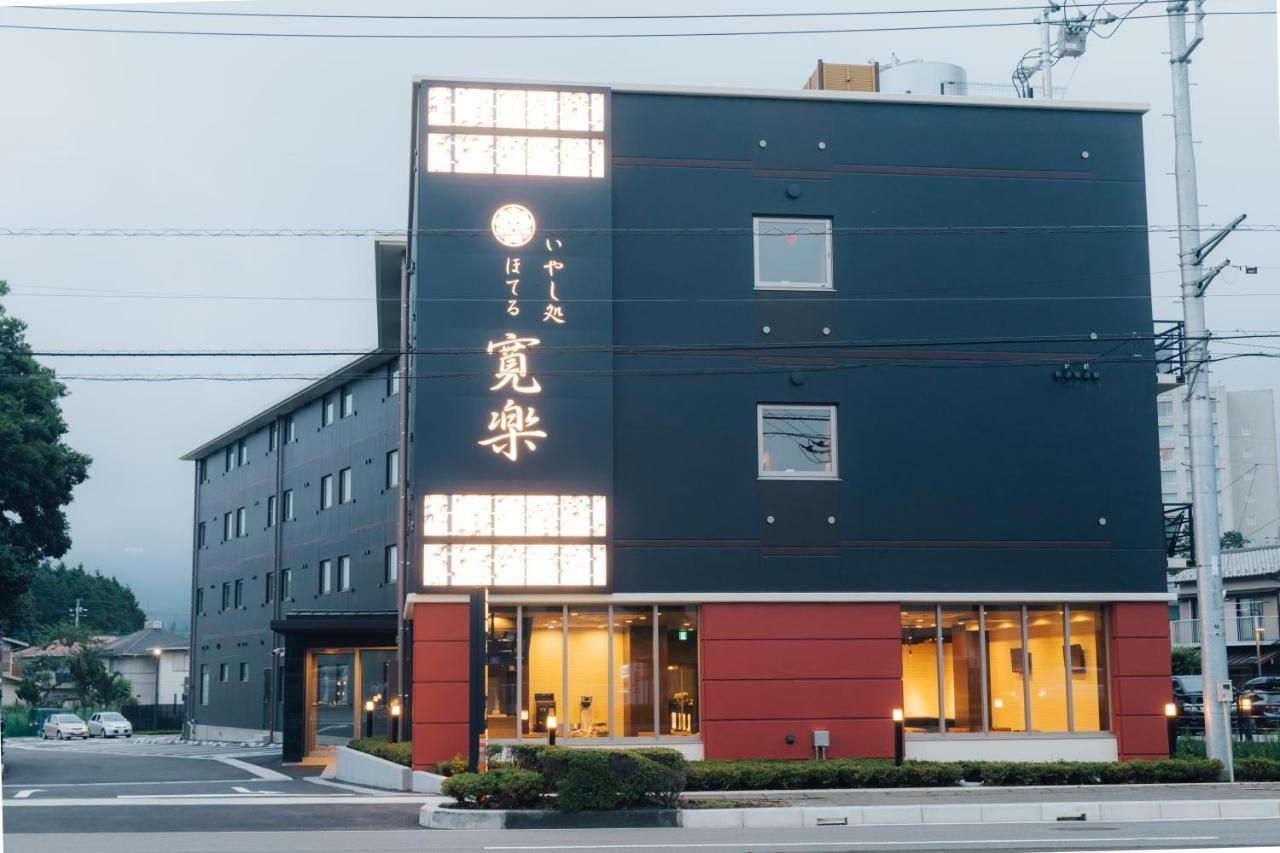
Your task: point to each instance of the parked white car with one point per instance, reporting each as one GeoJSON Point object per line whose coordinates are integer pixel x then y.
{"type": "Point", "coordinates": [59, 726]}
{"type": "Point", "coordinates": [109, 724]}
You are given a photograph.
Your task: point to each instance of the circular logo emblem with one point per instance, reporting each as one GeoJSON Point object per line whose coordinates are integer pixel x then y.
{"type": "Point", "coordinates": [513, 225]}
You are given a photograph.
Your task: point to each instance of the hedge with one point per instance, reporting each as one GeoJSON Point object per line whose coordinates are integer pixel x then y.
{"type": "Point", "coordinates": [500, 788]}
{"type": "Point", "coordinates": [765, 775]}
{"type": "Point", "coordinates": [400, 752]}
{"type": "Point", "coordinates": [1257, 770]}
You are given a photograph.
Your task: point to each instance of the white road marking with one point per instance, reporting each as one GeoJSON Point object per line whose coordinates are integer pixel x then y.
{"type": "Point", "coordinates": [843, 843]}
{"type": "Point", "coordinates": [240, 790]}
{"type": "Point", "coordinates": [248, 767]}
{"type": "Point", "coordinates": [22, 795]}
{"type": "Point", "coordinates": [133, 784]}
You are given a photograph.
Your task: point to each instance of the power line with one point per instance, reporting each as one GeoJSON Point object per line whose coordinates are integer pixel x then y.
{"type": "Point", "coordinates": [558, 36]}
{"type": "Point", "coordinates": [651, 17]}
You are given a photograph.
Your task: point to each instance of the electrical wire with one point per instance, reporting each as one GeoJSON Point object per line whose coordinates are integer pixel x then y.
{"type": "Point", "coordinates": [559, 36]}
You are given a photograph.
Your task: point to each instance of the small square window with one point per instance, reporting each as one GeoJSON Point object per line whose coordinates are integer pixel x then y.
{"type": "Point", "coordinates": [348, 401]}
{"type": "Point", "coordinates": [792, 254]}
{"type": "Point", "coordinates": [344, 486]}
{"type": "Point", "coordinates": [326, 491]}
{"type": "Point", "coordinates": [797, 442]}
{"type": "Point", "coordinates": [344, 574]}
{"type": "Point", "coordinates": [326, 577]}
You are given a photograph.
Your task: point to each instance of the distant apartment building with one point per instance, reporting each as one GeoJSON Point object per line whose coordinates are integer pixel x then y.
{"type": "Point", "coordinates": [1244, 440]}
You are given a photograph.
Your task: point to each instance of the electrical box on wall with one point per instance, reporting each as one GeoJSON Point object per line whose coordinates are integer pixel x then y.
{"type": "Point", "coordinates": [822, 739]}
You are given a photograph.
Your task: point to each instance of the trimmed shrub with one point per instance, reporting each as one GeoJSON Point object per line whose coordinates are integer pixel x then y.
{"type": "Point", "coordinates": [503, 788]}
{"type": "Point", "coordinates": [400, 752]}
{"type": "Point", "coordinates": [1257, 770]}
{"type": "Point", "coordinates": [450, 767]}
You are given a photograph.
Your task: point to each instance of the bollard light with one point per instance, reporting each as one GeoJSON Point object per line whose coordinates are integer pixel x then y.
{"type": "Point", "coordinates": [1171, 727]}
{"type": "Point", "coordinates": [395, 720]}
{"type": "Point", "coordinates": [551, 729]}
{"type": "Point", "coordinates": [899, 747]}
{"type": "Point", "coordinates": [368, 718]}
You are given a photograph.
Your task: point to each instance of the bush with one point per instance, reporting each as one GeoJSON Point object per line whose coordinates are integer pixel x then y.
{"type": "Point", "coordinates": [601, 779]}
{"type": "Point", "coordinates": [450, 767]}
{"type": "Point", "coordinates": [502, 788]}
{"type": "Point", "coordinates": [1257, 770]}
{"type": "Point", "coordinates": [400, 752]}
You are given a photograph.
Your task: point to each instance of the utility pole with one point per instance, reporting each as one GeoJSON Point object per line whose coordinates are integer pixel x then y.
{"type": "Point", "coordinates": [1191, 254]}
{"type": "Point", "coordinates": [77, 612]}
{"type": "Point", "coordinates": [1046, 52]}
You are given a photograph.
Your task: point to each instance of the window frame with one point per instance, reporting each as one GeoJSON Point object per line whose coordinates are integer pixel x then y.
{"type": "Point", "coordinates": [328, 409]}
{"type": "Point", "coordinates": [226, 596]}
{"type": "Point", "coordinates": [391, 563]}
{"type": "Point", "coordinates": [756, 222]}
{"type": "Point", "coordinates": [200, 602]}
{"type": "Point", "coordinates": [242, 452]}
{"type": "Point", "coordinates": [343, 579]}
{"type": "Point", "coordinates": [204, 685]}
{"type": "Point", "coordinates": [237, 594]}
{"type": "Point", "coordinates": [326, 491]}
{"type": "Point", "coordinates": [325, 577]}
{"type": "Point", "coordinates": [286, 584]}
{"type": "Point", "coordinates": [346, 401]}
{"type": "Point", "coordinates": [244, 672]}
{"type": "Point", "coordinates": [392, 474]}
{"type": "Point", "coordinates": [273, 436]}
{"type": "Point", "coordinates": [287, 508]}
{"type": "Point", "coordinates": [224, 672]}
{"type": "Point", "coordinates": [393, 378]}
{"type": "Point", "coordinates": [290, 429]}
{"type": "Point", "coordinates": [242, 522]}
{"type": "Point", "coordinates": [270, 588]}
{"type": "Point", "coordinates": [346, 486]}
{"type": "Point", "coordinates": [271, 510]}
{"type": "Point", "coordinates": [201, 536]}
{"type": "Point", "coordinates": [833, 474]}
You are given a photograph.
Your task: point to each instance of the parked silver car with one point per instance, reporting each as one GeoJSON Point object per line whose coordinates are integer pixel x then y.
{"type": "Point", "coordinates": [109, 724]}
{"type": "Point", "coordinates": [60, 726]}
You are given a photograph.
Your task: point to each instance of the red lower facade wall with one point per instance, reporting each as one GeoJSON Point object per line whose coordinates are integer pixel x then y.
{"type": "Point", "coordinates": [1140, 684]}
{"type": "Point", "coordinates": [440, 682]}
{"type": "Point", "coordinates": [774, 670]}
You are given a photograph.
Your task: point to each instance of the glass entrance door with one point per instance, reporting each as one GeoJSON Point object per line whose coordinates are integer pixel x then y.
{"type": "Point", "coordinates": [333, 715]}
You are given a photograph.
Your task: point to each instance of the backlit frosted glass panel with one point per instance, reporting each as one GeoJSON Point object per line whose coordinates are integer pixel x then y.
{"type": "Point", "coordinates": [599, 567]}
{"type": "Point", "coordinates": [575, 158]}
{"type": "Point", "coordinates": [508, 565]}
{"type": "Point", "coordinates": [435, 565]}
{"type": "Point", "coordinates": [472, 515]}
{"type": "Point", "coordinates": [575, 565]}
{"type": "Point", "coordinates": [509, 155]}
{"type": "Point", "coordinates": [508, 515]}
{"type": "Point", "coordinates": [473, 153]}
{"type": "Point", "coordinates": [471, 565]}
{"type": "Point", "coordinates": [542, 566]}
{"type": "Point", "coordinates": [575, 516]}
{"type": "Point", "coordinates": [439, 152]}
{"type": "Point", "coordinates": [509, 108]}
{"type": "Point", "coordinates": [597, 112]}
{"type": "Point", "coordinates": [543, 155]}
{"type": "Point", "coordinates": [543, 111]}
{"type": "Point", "coordinates": [435, 515]}
{"type": "Point", "coordinates": [598, 520]}
{"type": "Point", "coordinates": [440, 105]}
{"type": "Point", "coordinates": [575, 111]}
{"type": "Point", "coordinates": [473, 107]}
{"type": "Point", "coordinates": [597, 158]}
{"type": "Point", "coordinates": [542, 515]}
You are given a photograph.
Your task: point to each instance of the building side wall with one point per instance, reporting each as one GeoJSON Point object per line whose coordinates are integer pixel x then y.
{"type": "Point", "coordinates": [774, 671]}
{"type": "Point", "coordinates": [1140, 673]}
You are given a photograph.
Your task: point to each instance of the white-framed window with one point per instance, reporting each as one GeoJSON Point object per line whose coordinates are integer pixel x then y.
{"type": "Point", "coordinates": [242, 452]}
{"type": "Point", "coordinates": [239, 593]}
{"type": "Point", "coordinates": [792, 254]}
{"type": "Point", "coordinates": [273, 435]}
{"type": "Point", "coordinates": [204, 684]}
{"type": "Point", "coordinates": [328, 409]}
{"type": "Point", "coordinates": [348, 401]}
{"type": "Point", "coordinates": [200, 535]}
{"type": "Point", "coordinates": [344, 486]}
{"type": "Point", "coordinates": [242, 526]}
{"type": "Point", "coordinates": [290, 430]}
{"type": "Point", "coordinates": [228, 527]}
{"type": "Point", "coordinates": [326, 491]}
{"type": "Point", "coordinates": [288, 505]}
{"type": "Point", "coordinates": [286, 584]}
{"type": "Point", "coordinates": [797, 442]}
{"type": "Point", "coordinates": [224, 672]}
{"type": "Point", "coordinates": [393, 469]}
{"type": "Point", "coordinates": [344, 574]}
{"type": "Point", "coordinates": [393, 378]}
{"type": "Point", "coordinates": [244, 671]}
{"type": "Point", "coordinates": [326, 577]}
{"type": "Point", "coordinates": [391, 564]}
{"type": "Point", "coordinates": [271, 510]}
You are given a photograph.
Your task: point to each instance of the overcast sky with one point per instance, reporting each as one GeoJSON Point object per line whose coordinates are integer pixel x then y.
{"type": "Point", "coordinates": [156, 131]}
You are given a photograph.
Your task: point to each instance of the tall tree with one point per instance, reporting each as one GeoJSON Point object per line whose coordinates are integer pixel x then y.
{"type": "Point", "coordinates": [109, 606]}
{"type": "Point", "coordinates": [37, 469]}
{"type": "Point", "coordinates": [95, 685]}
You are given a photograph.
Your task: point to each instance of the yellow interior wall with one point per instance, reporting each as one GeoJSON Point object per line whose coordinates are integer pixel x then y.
{"type": "Point", "coordinates": [546, 671]}
{"type": "Point", "coordinates": [920, 680]}
{"type": "Point", "coordinates": [588, 676]}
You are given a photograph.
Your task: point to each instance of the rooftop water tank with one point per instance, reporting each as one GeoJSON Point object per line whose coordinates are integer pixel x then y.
{"type": "Point", "coordinates": [921, 77]}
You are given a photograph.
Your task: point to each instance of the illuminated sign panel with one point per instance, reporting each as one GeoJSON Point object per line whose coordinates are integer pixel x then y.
{"type": "Point", "coordinates": [514, 540]}
{"type": "Point", "coordinates": [485, 131]}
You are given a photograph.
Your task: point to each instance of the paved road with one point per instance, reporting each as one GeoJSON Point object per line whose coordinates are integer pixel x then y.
{"type": "Point", "coordinates": [935, 839]}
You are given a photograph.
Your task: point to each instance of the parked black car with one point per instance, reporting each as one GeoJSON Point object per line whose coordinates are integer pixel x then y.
{"type": "Point", "coordinates": [1264, 695]}
{"type": "Point", "coordinates": [1188, 695]}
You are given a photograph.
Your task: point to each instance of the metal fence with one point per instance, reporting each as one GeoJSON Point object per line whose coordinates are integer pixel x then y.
{"type": "Point", "coordinates": [152, 718]}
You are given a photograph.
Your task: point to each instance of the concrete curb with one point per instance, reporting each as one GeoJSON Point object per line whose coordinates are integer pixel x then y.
{"type": "Point", "coordinates": [438, 815]}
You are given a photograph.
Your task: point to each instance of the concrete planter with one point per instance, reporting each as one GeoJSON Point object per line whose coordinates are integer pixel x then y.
{"type": "Point", "coordinates": [361, 768]}
{"type": "Point", "coordinates": [427, 783]}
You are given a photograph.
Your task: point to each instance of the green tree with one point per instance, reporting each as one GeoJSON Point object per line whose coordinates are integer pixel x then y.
{"type": "Point", "coordinates": [39, 677]}
{"type": "Point", "coordinates": [110, 606]}
{"type": "Point", "coordinates": [1232, 539]}
{"type": "Point", "coordinates": [1186, 661]}
{"type": "Point", "coordinates": [37, 469]}
{"type": "Point", "coordinates": [94, 684]}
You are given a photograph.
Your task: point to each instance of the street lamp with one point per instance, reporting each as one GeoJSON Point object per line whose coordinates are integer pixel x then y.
{"type": "Point", "coordinates": [551, 729]}
{"type": "Point", "coordinates": [899, 747]}
{"type": "Point", "coordinates": [368, 718]}
{"type": "Point", "coordinates": [1171, 726]}
{"type": "Point", "coordinates": [155, 708]}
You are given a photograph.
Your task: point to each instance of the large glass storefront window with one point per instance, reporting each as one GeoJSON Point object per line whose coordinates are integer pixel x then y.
{"type": "Point", "coordinates": [1036, 668]}
{"type": "Point", "coordinates": [592, 668]}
